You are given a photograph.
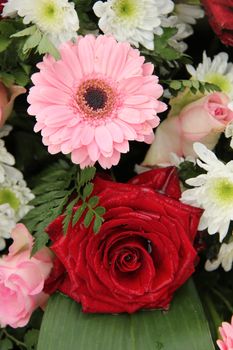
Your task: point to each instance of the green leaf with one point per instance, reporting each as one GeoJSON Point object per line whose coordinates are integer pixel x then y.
{"type": "Point", "coordinates": [88, 218]}
{"type": "Point", "coordinates": [68, 214]}
{"type": "Point", "coordinates": [97, 224]}
{"type": "Point", "coordinates": [183, 327]}
{"type": "Point", "coordinates": [88, 190]}
{"type": "Point", "coordinates": [93, 201]}
{"type": "Point", "coordinates": [100, 210]}
{"type": "Point", "coordinates": [31, 338]}
{"type": "Point", "coordinates": [25, 32]}
{"type": "Point", "coordinates": [6, 78]}
{"type": "Point", "coordinates": [175, 84]}
{"type": "Point", "coordinates": [86, 175]}
{"type": "Point", "coordinates": [40, 241]}
{"type": "Point", "coordinates": [162, 47]}
{"type": "Point", "coordinates": [46, 46]}
{"type": "Point", "coordinates": [32, 41]}
{"type": "Point", "coordinates": [79, 212]}
{"type": "Point", "coordinates": [21, 78]}
{"type": "Point", "coordinates": [6, 344]}
{"type": "Point", "coordinates": [56, 185]}
{"type": "Point", "coordinates": [4, 43]}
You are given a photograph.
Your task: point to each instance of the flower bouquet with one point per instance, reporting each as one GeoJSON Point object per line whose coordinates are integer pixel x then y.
{"type": "Point", "coordinates": [116, 174]}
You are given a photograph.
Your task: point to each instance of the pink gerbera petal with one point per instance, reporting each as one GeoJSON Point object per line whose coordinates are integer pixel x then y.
{"type": "Point", "coordinates": [94, 100]}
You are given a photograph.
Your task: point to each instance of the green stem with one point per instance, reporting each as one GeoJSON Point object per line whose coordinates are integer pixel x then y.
{"type": "Point", "coordinates": [224, 300]}
{"type": "Point", "coordinates": [15, 340]}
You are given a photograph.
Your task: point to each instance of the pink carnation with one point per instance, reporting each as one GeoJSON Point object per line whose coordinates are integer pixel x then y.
{"type": "Point", "coordinates": [94, 100]}
{"type": "Point", "coordinates": [22, 279]}
{"type": "Point", "coordinates": [226, 332]}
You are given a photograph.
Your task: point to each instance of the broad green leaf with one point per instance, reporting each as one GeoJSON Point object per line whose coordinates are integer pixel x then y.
{"type": "Point", "coordinates": [183, 327]}
{"type": "Point", "coordinates": [4, 43]}
{"type": "Point", "coordinates": [31, 338]}
{"type": "Point", "coordinates": [46, 46]}
{"type": "Point", "coordinates": [32, 41]}
{"type": "Point", "coordinates": [25, 32]}
{"type": "Point", "coordinates": [6, 78]}
{"type": "Point", "coordinates": [21, 78]}
{"type": "Point", "coordinates": [6, 344]}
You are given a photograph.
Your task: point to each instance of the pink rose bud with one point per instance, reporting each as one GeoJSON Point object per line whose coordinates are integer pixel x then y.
{"type": "Point", "coordinates": [22, 279]}
{"type": "Point", "coordinates": [203, 120]}
{"type": "Point", "coordinates": [7, 98]}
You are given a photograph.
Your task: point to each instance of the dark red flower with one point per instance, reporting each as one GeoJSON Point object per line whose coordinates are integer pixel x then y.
{"type": "Point", "coordinates": [220, 14]}
{"type": "Point", "coordinates": [1, 5]}
{"type": "Point", "coordinates": [142, 254]}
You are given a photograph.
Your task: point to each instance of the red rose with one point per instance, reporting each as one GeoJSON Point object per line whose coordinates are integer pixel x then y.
{"type": "Point", "coordinates": [1, 6]}
{"type": "Point", "coordinates": [221, 18]}
{"type": "Point", "coordinates": [142, 253]}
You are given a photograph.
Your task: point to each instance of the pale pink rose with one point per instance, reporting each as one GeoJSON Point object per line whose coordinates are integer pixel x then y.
{"type": "Point", "coordinates": [203, 120]}
{"type": "Point", "coordinates": [22, 279]}
{"type": "Point", "coordinates": [7, 98]}
{"type": "Point", "coordinates": [226, 332]}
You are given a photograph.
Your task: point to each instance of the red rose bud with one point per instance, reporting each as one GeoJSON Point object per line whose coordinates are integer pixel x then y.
{"type": "Point", "coordinates": [142, 253]}
{"type": "Point", "coordinates": [220, 17]}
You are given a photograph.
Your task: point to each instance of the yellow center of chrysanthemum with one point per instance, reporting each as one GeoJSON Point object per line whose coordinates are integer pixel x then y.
{"type": "Point", "coordinates": [95, 98]}
{"type": "Point", "coordinates": [222, 191]}
{"type": "Point", "coordinates": [49, 15]}
{"type": "Point", "coordinates": [126, 9]}
{"type": "Point", "coordinates": [220, 80]}
{"type": "Point", "coordinates": [8, 196]}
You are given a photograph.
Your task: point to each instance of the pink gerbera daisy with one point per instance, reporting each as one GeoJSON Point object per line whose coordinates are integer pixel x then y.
{"type": "Point", "coordinates": [226, 332]}
{"type": "Point", "coordinates": [96, 98]}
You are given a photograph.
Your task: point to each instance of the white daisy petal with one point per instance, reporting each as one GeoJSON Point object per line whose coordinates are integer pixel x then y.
{"type": "Point", "coordinates": [213, 192]}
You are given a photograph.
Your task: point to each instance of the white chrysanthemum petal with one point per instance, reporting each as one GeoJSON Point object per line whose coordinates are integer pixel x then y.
{"type": "Point", "coordinates": [213, 193]}
{"type": "Point", "coordinates": [134, 21]}
{"type": "Point", "coordinates": [188, 13]}
{"type": "Point", "coordinates": [56, 18]}
{"type": "Point", "coordinates": [217, 71]}
{"type": "Point", "coordinates": [14, 193]}
{"type": "Point", "coordinates": [224, 258]}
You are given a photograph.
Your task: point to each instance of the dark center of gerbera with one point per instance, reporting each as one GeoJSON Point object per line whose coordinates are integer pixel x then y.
{"type": "Point", "coordinates": [96, 98]}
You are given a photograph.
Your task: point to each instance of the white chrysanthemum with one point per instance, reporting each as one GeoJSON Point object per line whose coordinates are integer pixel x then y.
{"type": "Point", "coordinates": [5, 159]}
{"type": "Point", "coordinates": [56, 18]}
{"type": "Point", "coordinates": [188, 13]}
{"type": "Point", "coordinates": [224, 258]}
{"type": "Point", "coordinates": [134, 21]}
{"type": "Point", "coordinates": [213, 192]}
{"type": "Point", "coordinates": [182, 18]}
{"type": "Point", "coordinates": [183, 31]}
{"type": "Point", "coordinates": [14, 193]}
{"type": "Point", "coordinates": [14, 199]}
{"type": "Point", "coordinates": [229, 132]}
{"type": "Point", "coordinates": [217, 71]}
{"type": "Point", "coordinates": [5, 130]}
{"type": "Point", "coordinates": [7, 223]}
